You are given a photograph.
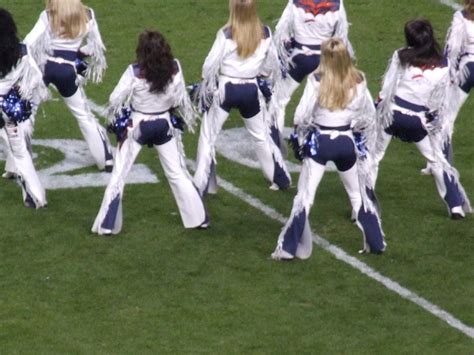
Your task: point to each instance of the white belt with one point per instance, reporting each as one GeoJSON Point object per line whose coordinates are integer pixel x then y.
{"type": "Point", "coordinates": [60, 60]}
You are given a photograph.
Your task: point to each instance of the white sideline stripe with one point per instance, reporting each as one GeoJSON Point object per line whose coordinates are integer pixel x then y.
{"type": "Point", "coordinates": [354, 262]}
{"type": "Point", "coordinates": [453, 4]}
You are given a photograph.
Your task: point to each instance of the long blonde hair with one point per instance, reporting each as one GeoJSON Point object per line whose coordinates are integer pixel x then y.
{"type": "Point", "coordinates": [469, 8]}
{"type": "Point", "coordinates": [246, 27]}
{"type": "Point", "coordinates": [68, 18]}
{"type": "Point", "coordinates": [339, 76]}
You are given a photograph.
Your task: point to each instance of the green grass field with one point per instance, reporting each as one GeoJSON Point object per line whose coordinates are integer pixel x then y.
{"type": "Point", "coordinates": [158, 288]}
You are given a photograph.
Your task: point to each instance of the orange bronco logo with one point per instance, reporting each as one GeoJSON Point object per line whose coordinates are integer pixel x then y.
{"type": "Point", "coordinates": [317, 7]}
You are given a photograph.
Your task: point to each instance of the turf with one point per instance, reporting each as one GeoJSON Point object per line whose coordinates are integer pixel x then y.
{"type": "Point", "coordinates": [159, 288]}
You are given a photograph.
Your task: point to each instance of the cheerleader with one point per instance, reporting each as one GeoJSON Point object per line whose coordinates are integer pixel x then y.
{"type": "Point", "coordinates": [412, 107]}
{"type": "Point", "coordinates": [151, 88]}
{"type": "Point", "coordinates": [336, 122]}
{"type": "Point", "coordinates": [460, 52]}
{"type": "Point", "coordinates": [303, 26]}
{"type": "Point", "coordinates": [21, 90]}
{"type": "Point", "coordinates": [241, 52]}
{"type": "Point", "coordinates": [56, 42]}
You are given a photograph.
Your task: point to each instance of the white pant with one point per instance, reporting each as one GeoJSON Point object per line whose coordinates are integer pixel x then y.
{"type": "Point", "coordinates": [282, 93]}
{"type": "Point", "coordinates": [426, 149]}
{"type": "Point", "coordinates": [94, 134]}
{"type": "Point", "coordinates": [267, 152]}
{"type": "Point", "coordinates": [310, 177]}
{"type": "Point", "coordinates": [20, 162]}
{"type": "Point", "coordinates": [190, 205]}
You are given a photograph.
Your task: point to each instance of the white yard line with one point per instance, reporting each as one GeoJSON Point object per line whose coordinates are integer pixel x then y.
{"type": "Point", "coordinates": [354, 262]}
{"type": "Point", "coordinates": [453, 4]}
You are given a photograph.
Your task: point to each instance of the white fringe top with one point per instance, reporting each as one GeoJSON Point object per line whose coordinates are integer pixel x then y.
{"type": "Point", "coordinates": [43, 42]}
{"type": "Point", "coordinates": [28, 77]}
{"type": "Point", "coordinates": [308, 112]}
{"type": "Point", "coordinates": [133, 90]}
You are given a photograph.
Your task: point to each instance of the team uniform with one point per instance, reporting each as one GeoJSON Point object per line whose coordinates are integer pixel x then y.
{"type": "Point", "coordinates": [150, 124]}
{"type": "Point", "coordinates": [329, 136]}
{"type": "Point", "coordinates": [460, 51]}
{"type": "Point", "coordinates": [302, 28]}
{"type": "Point", "coordinates": [27, 77]}
{"type": "Point", "coordinates": [57, 58]}
{"type": "Point", "coordinates": [412, 108]}
{"type": "Point", "coordinates": [231, 82]}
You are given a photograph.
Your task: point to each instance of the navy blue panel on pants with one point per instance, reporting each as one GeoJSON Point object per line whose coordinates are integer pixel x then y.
{"type": "Point", "coordinates": [340, 150]}
{"type": "Point", "coordinates": [469, 83]}
{"type": "Point", "coordinates": [154, 132]}
{"type": "Point", "coordinates": [111, 216]}
{"type": "Point", "coordinates": [372, 232]}
{"type": "Point", "coordinates": [294, 233]}
{"type": "Point", "coordinates": [303, 65]}
{"type": "Point", "coordinates": [243, 97]}
{"type": "Point", "coordinates": [453, 195]}
{"type": "Point", "coordinates": [406, 127]}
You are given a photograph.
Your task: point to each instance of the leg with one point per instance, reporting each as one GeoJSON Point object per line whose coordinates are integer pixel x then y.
{"type": "Point", "coordinates": [188, 199]}
{"type": "Point", "coordinates": [350, 181]}
{"type": "Point", "coordinates": [295, 238]}
{"type": "Point", "coordinates": [34, 194]}
{"type": "Point", "coordinates": [383, 140]}
{"type": "Point", "coordinates": [447, 188]}
{"type": "Point", "coordinates": [367, 221]}
{"type": "Point", "coordinates": [282, 93]}
{"type": "Point", "coordinates": [269, 156]}
{"type": "Point", "coordinates": [92, 131]}
{"type": "Point", "coordinates": [10, 169]}
{"type": "Point", "coordinates": [211, 125]}
{"type": "Point", "coordinates": [109, 218]}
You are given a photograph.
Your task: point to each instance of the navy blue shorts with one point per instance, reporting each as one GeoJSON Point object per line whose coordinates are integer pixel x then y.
{"type": "Point", "coordinates": [63, 76]}
{"type": "Point", "coordinates": [406, 127]}
{"type": "Point", "coordinates": [244, 97]}
{"type": "Point", "coordinates": [469, 83]}
{"type": "Point", "coordinates": [154, 132]}
{"type": "Point", "coordinates": [340, 150]}
{"type": "Point", "coordinates": [303, 65]}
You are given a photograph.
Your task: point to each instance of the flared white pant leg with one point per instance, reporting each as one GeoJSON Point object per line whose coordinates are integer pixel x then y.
{"type": "Point", "coordinates": [350, 180]}
{"type": "Point", "coordinates": [211, 125]}
{"type": "Point", "coordinates": [447, 189]}
{"type": "Point", "coordinates": [295, 238]}
{"type": "Point", "coordinates": [282, 93]}
{"type": "Point", "coordinates": [190, 205]}
{"type": "Point", "coordinates": [93, 133]}
{"type": "Point", "coordinates": [34, 193]}
{"type": "Point", "coordinates": [109, 219]}
{"type": "Point", "coordinates": [268, 154]}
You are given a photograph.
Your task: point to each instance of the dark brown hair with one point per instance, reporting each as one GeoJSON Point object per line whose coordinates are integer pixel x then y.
{"type": "Point", "coordinates": [422, 48]}
{"type": "Point", "coordinates": [9, 43]}
{"type": "Point", "coordinates": [155, 60]}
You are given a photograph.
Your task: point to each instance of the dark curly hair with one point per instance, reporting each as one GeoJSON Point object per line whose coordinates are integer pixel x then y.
{"type": "Point", "coordinates": [422, 48]}
{"type": "Point", "coordinates": [155, 60]}
{"type": "Point", "coordinates": [9, 43]}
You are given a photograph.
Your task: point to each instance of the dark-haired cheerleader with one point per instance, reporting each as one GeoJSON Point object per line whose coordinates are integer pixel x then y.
{"type": "Point", "coordinates": [21, 90]}
{"type": "Point", "coordinates": [413, 105]}
{"type": "Point", "coordinates": [150, 88]}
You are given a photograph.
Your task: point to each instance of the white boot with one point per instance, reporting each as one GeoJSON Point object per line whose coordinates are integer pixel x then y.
{"type": "Point", "coordinates": [94, 134]}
